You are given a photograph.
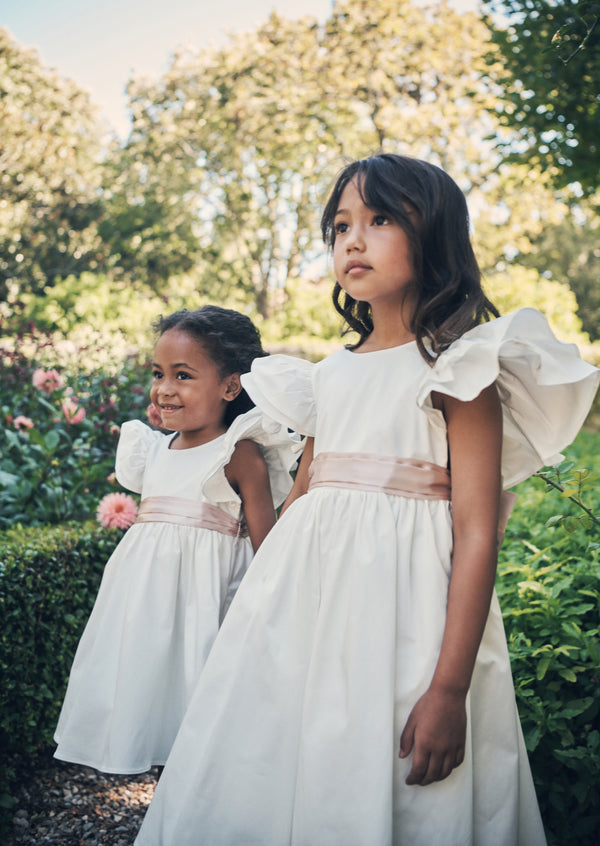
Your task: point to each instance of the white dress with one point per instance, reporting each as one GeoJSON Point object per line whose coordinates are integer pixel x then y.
{"type": "Point", "coordinates": [292, 734]}
{"type": "Point", "coordinates": [164, 593]}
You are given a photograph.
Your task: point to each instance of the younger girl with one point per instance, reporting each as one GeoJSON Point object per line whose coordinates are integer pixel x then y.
{"type": "Point", "coordinates": [168, 584]}
{"type": "Point", "coordinates": [359, 692]}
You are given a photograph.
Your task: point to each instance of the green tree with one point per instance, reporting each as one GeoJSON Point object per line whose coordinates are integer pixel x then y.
{"type": "Point", "coordinates": [552, 98]}
{"type": "Point", "coordinates": [245, 140]}
{"type": "Point", "coordinates": [242, 131]}
{"type": "Point", "coordinates": [49, 172]}
{"type": "Point", "coordinates": [418, 83]}
{"type": "Point", "coordinates": [568, 251]}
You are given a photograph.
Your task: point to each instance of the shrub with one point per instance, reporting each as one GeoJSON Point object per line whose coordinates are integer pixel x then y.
{"type": "Point", "coordinates": [49, 578]}
{"type": "Point", "coordinates": [549, 589]}
{"type": "Point", "coordinates": [57, 447]}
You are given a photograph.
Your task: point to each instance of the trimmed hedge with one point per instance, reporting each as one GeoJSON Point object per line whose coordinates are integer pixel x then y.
{"type": "Point", "coordinates": [49, 578]}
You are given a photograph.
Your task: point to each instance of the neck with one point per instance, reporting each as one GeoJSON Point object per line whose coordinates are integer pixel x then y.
{"type": "Point", "coordinates": [188, 440]}
{"type": "Point", "coordinates": [390, 329]}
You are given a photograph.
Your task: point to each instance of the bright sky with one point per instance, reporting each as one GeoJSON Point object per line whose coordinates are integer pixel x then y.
{"type": "Point", "coordinates": [103, 43]}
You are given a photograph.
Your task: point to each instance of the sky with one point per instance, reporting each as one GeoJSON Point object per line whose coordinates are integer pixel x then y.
{"type": "Point", "coordinates": [101, 44]}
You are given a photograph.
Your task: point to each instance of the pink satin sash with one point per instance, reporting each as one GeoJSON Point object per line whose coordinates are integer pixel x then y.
{"type": "Point", "coordinates": [384, 473]}
{"type": "Point", "coordinates": [397, 476]}
{"type": "Point", "coordinates": [187, 512]}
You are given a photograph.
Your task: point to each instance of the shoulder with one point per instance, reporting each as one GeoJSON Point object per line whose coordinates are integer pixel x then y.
{"type": "Point", "coordinates": [247, 461]}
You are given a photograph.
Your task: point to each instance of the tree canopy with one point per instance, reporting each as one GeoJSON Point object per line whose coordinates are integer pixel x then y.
{"type": "Point", "coordinates": [247, 138]}
{"type": "Point", "coordinates": [217, 191]}
{"type": "Point", "coordinates": [552, 89]}
{"type": "Point", "coordinates": [49, 172]}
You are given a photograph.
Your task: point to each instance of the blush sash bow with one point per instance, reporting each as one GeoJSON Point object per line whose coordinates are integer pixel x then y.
{"type": "Point", "coordinates": [187, 512]}
{"type": "Point", "coordinates": [384, 473]}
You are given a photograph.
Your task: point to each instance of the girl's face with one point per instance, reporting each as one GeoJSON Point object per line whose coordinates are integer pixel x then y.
{"type": "Point", "coordinates": [188, 389]}
{"type": "Point", "coordinates": [372, 257]}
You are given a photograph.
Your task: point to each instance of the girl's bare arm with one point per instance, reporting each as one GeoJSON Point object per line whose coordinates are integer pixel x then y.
{"type": "Point", "coordinates": [300, 486]}
{"type": "Point", "coordinates": [248, 475]}
{"type": "Point", "coordinates": [436, 727]}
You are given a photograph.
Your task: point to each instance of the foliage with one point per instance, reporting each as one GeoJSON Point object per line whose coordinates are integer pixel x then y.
{"type": "Point", "coordinates": [248, 138]}
{"type": "Point", "coordinates": [49, 172]}
{"type": "Point", "coordinates": [49, 579]}
{"type": "Point", "coordinates": [549, 589]}
{"type": "Point", "coordinates": [216, 195]}
{"type": "Point", "coordinates": [123, 311]}
{"type": "Point", "coordinates": [51, 469]}
{"type": "Point", "coordinates": [552, 54]}
{"type": "Point", "coordinates": [513, 286]}
{"type": "Point", "coordinates": [569, 251]}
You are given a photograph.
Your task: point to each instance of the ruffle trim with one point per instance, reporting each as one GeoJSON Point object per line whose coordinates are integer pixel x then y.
{"type": "Point", "coordinates": [282, 387]}
{"type": "Point", "coordinates": [135, 442]}
{"type": "Point", "coordinates": [279, 447]}
{"type": "Point", "coordinates": [545, 387]}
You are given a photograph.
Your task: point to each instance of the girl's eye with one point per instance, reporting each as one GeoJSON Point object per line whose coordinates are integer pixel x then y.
{"type": "Point", "coordinates": [340, 228]}
{"type": "Point", "coordinates": [381, 219]}
{"type": "Point", "coordinates": [183, 375]}
{"type": "Point", "coordinates": [156, 374]}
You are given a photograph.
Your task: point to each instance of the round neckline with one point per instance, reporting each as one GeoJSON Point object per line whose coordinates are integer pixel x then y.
{"type": "Point", "coordinates": [187, 449]}
{"type": "Point", "coordinates": [383, 350]}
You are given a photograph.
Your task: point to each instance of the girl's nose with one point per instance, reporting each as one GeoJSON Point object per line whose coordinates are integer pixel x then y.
{"type": "Point", "coordinates": [166, 389]}
{"type": "Point", "coordinates": [355, 239]}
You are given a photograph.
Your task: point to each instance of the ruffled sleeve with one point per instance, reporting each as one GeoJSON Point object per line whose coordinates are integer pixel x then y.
{"type": "Point", "coordinates": [279, 447]}
{"type": "Point", "coordinates": [282, 387]}
{"type": "Point", "coordinates": [135, 442]}
{"type": "Point", "coordinates": [545, 387]}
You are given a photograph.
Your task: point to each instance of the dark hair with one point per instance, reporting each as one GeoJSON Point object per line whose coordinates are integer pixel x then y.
{"type": "Point", "coordinates": [229, 338]}
{"type": "Point", "coordinates": [448, 294]}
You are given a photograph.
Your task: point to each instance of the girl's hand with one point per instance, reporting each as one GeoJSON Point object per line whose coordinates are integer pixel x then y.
{"type": "Point", "coordinates": [435, 730]}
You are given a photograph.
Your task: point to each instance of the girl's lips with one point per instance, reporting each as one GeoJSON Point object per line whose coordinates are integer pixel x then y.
{"type": "Point", "coordinates": [353, 268]}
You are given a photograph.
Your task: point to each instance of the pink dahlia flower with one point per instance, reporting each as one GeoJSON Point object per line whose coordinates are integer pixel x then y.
{"type": "Point", "coordinates": [154, 416]}
{"type": "Point", "coordinates": [117, 511]}
{"type": "Point", "coordinates": [73, 413]}
{"type": "Point", "coordinates": [20, 422]}
{"type": "Point", "coordinates": [47, 380]}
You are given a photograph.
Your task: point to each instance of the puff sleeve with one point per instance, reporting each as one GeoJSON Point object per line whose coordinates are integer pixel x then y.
{"type": "Point", "coordinates": [282, 387]}
{"type": "Point", "coordinates": [135, 442]}
{"type": "Point", "coordinates": [279, 447]}
{"type": "Point", "coordinates": [545, 387]}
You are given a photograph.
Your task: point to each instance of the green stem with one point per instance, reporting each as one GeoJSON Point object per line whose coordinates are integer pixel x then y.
{"type": "Point", "coordinates": [572, 498]}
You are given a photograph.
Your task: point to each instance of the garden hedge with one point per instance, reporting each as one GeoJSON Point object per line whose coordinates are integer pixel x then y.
{"type": "Point", "coordinates": [49, 578]}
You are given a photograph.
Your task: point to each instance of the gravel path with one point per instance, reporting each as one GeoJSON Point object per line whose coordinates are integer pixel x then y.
{"type": "Point", "coordinates": [68, 805]}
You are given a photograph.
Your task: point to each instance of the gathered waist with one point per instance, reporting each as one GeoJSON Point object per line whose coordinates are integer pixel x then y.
{"type": "Point", "coordinates": [382, 473]}
{"type": "Point", "coordinates": [187, 512]}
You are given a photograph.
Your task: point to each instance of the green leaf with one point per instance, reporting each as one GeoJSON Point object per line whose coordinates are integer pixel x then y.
{"type": "Point", "coordinates": [542, 667]}
{"type": "Point", "coordinates": [8, 479]}
{"type": "Point", "coordinates": [51, 440]}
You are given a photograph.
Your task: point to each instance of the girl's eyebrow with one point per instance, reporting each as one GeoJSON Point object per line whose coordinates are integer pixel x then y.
{"type": "Point", "coordinates": [175, 365]}
{"type": "Point", "coordinates": [341, 211]}
{"type": "Point", "coordinates": [183, 364]}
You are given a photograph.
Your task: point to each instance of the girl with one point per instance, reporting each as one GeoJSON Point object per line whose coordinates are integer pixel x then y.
{"type": "Point", "coordinates": [168, 584]}
{"type": "Point", "coordinates": [359, 692]}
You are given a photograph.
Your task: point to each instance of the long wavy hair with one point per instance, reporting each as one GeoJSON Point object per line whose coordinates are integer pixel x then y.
{"type": "Point", "coordinates": [230, 340]}
{"type": "Point", "coordinates": [432, 211]}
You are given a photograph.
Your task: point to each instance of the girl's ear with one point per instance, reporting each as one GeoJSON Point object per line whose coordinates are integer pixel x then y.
{"type": "Point", "coordinates": [233, 387]}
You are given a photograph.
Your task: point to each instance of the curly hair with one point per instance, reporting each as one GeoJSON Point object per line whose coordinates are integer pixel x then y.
{"type": "Point", "coordinates": [431, 209]}
{"type": "Point", "coordinates": [229, 338]}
